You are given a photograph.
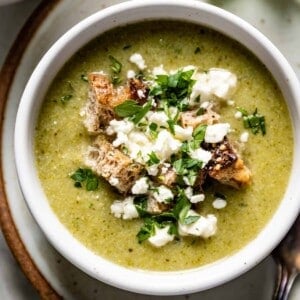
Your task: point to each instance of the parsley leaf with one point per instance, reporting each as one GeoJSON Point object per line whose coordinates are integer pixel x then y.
{"type": "Point", "coordinates": [81, 176]}
{"type": "Point", "coordinates": [153, 159]}
{"type": "Point", "coordinates": [183, 165]}
{"type": "Point", "coordinates": [83, 77]}
{"type": "Point", "coordinates": [147, 230]}
{"type": "Point", "coordinates": [64, 99]}
{"type": "Point", "coordinates": [190, 220]}
{"type": "Point", "coordinates": [140, 203]}
{"type": "Point", "coordinates": [173, 88]}
{"type": "Point", "coordinates": [133, 110]}
{"type": "Point", "coordinates": [116, 68]}
{"type": "Point", "coordinates": [143, 111]}
{"type": "Point", "coordinates": [197, 50]}
{"type": "Point", "coordinates": [198, 134]}
{"type": "Point", "coordinates": [127, 108]}
{"type": "Point", "coordinates": [255, 121]}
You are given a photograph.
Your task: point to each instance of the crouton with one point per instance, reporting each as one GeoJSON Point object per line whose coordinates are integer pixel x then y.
{"type": "Point", "coordinates": [102, 99]}
{"type": "Point", "coordinates": [113, 165]}
{"type": "Point", "coordinates": [154, 207]}
{"type": "Point", "coordinates": [227, 167]}
{"type": "Point", "coordinates": [190, 118]}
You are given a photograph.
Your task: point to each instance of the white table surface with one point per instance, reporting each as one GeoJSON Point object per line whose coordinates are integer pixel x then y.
{"type": "Point", "coordinates": [13, 284]}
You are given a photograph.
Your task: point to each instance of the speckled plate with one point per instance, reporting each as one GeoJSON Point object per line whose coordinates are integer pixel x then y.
{"type": "Point", "coordinates": [51, 274]}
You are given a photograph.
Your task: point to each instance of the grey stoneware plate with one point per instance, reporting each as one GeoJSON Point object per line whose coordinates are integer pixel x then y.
{"type": "Point", "coordinates": [50, 274]}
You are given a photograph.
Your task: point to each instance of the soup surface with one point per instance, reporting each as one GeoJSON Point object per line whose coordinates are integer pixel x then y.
{"type": "Point", "coordinates": [61, 141]}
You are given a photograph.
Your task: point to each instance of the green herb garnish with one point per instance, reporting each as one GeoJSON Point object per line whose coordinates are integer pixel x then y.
{"type": "Point", "coordinates": [190, 219]}
{"type": "Point", "coordinates": [140, 203]}
{"type": "Point", "coordinates": [126, 47]}
{"type": "Point", "coordinates": [65, 99]}
{"type": "Point", "coordinates": [255, 121]}
{"type": "Point", "coordinates": [153, 159]}
{"type": "Point", "coordinates": [198, 135]}
{"type": "Point", "coordinates": [197, 50]}
{"type": "Point", "coordinates": [83, 77]}
{"type": "Point", "coordinates": [173, 88]}
{"type": "Point", "coordinates": [116, 68]}
{"type": "Point", "coordinates": [127, 108]}
{"type": "Point", "coordinates": [132, 110]}
{"type": "Point", "coordinates": [85, 177]}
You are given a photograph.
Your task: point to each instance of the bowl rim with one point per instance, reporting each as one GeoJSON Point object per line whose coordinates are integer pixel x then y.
{"type": "Point", "coordinates": [141, 281]}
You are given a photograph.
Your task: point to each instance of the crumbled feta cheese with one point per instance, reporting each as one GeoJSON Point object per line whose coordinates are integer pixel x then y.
{"type": "Point", "coordinates": [159, 118]}
{"type": "Point", "coordinates": [130, 74]}
{"type": "Point", "coordinates": [140, 94]}
{"type": "Point", "coordinates": [189, 192]}
{"type": "Point", "coordinates": [219, 203]}
{"type": "Point", "coordinates": [188, 68]}
{"type": "Point", "coordinates": [163, 194]}
{"type": "Point", "coordinates": [152, 170]}
{"type": "Point", "coordinates": [244, 137]}
{"type": "Point", "coordinates": [238, 115]}
{"type": "Point", "coordinates": [113, 181]}
{"type": "Point", "coordinates": [197, 198]}
{"type": "Point", "coordinates": [165, 168]}
{"type": "Point", "coordinates": [186, 180]}
{"type": "Point", "coordinates": [165, 145]}
{"type": "Point", "coordinates": [215, 133]}
{"type": "Point", "coordinates": [201, 154]}
{"type": "Point", "coordinates": [141, 186]}
{"type": "Point", "coordinates": [161, 236]}
{"type": "Point", "coordinates": [116, 126]}
{"type": "Point", "coordinates": [122, 138]}
{"type": "Point", "coordinates": [138, 60]}
{"type": "Point", "coordinates": [124, 209]}
{"type": "Point", "coordinates": [159, 71]}
{"type": "Point", "coordinates": [183, 134]}
{"type": "Point", "coordinates": [138, 146]}
{"type": "Point", "coordinates": [230, 102]}
{"type": "Point", "coordinates": [205, 104]}
{"type": "Point", "coordinates": [216, 82]}
{"type": "Point", "coordinates": [204, 226]}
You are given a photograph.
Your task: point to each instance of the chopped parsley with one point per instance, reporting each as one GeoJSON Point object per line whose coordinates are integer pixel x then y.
{"type": "Point", "coordinates": [153, 159]}
{"type": "Point", "coordinates": [116, 68]}
{"type": "Point", "coordinates": [140, 203]}
{"type": "Point", "coordinates": [132, 110]}
{"type": "Point", "coordinates": [126, 47]}
{"type": "Point", "coordinates": [197, 50]}
{"type": "Point", "coordinates": [65, 98]}
{"type": "Point", "coordinates": [255, 121]}
{"type": "Point", "coordinates": [173, 88]}
{"type": "Point", "coordinates": [198, 135]}
{"type": "Point", "coordinates": [83, 77]}
{"type": "Point", "coordinates": [85, 177]}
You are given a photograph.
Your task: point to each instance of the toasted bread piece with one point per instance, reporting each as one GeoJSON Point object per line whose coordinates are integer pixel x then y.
{"type": "Point", "coordinates": [154, 207]}
{"type": "Point", "coordinates": [236, 175]}
{"type": "Point", "coordinates": [113, 165]}
{"type": "Point", "coordinates": [102, 99]}
{"type": "Point", "coordinates": [190, 118]}
{"type": "Point", "coordinates": [227, 167]}
{"type": "Point", "coordinates": [167, 178]}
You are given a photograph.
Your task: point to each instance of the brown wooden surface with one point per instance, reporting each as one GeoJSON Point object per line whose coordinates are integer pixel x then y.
{"type": "Point", "coordinates": [8, 227]}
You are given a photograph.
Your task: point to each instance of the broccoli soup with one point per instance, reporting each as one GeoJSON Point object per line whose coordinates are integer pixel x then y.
{"type": "Point", "coordinates": [164, 146]}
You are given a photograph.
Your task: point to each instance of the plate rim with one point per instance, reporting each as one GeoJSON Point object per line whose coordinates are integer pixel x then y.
{"type": "Point", "coordinates": [7, 76]}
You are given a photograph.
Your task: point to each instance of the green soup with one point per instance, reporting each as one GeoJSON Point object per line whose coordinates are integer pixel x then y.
{"type": "Point", "coordinates": [61, 140]}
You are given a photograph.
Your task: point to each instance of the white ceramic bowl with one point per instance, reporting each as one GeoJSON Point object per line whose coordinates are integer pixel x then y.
{"type": "Point", "coordinates": [147, 282]}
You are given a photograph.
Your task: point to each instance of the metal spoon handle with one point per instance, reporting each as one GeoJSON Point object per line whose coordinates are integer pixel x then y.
{"type": "Point", "coordinates": [285, 280]}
